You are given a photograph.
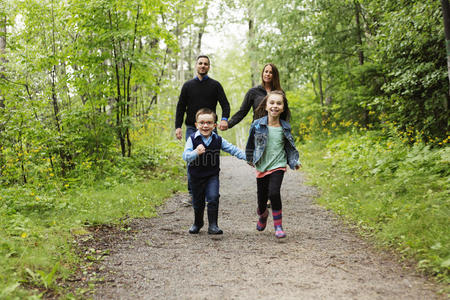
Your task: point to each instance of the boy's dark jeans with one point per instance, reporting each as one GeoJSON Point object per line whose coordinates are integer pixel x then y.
{"type": "Point", "coordinates": [269, 188]}
{"type": "Point", "coordinates": [205, 189]}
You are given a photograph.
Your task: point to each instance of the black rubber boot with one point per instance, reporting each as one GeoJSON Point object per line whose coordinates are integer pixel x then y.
{"type": "Point", "coordinates": [198, 221]}
{"type": "Point", "coordinates": [212, 219]}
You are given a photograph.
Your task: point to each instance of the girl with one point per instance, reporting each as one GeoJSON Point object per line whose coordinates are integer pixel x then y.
{"type": "Point", "coordinates": [270, 147]}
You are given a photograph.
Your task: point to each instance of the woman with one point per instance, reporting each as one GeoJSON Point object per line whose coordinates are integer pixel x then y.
{"type": "Point", "coordinates": [270, 82]}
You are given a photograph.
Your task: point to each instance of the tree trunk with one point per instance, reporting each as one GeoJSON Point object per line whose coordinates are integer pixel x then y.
{"type": "Point", "coordinates": [360, 52]}
{"type": "Point", "coordinates": [319, 77]}
{"type": "Point", "coordinates": [2, 59]}
{"type": "Point", "coordinates": [53, 77]}
{"type": "Point", "coordinates": [202, 26]}
{"type": "Point", "coordinates": [189, 58]}
{"type": "Point", "coordinates": [128, 97]}
{"type": "Point", "coordinates": [119, 97]}
{"type": "Point", "coordinates": [251, 42]}
{"type": "Point", "coordinates": [359, 32]}
{"type": "Point", "coordinates": [446, 16]}
{"type": "Point", "coordinates": [63, 154]}
{"type": "Point", "coordinates": [158, 83]}
{"type": "Point", "coordinates": [2, 75]}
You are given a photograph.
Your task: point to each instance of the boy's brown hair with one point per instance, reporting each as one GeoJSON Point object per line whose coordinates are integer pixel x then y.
{"type": "Point", "coordinates": [206, 111]}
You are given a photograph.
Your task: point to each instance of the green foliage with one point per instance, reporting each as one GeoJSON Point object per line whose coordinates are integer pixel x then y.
{"type": "Point", "coordinates": [37, 221]}
{"type": "Point", "coordinates": [394, 192]}
{"type": "Point", "coordinates": [77, 79]}
{"type": "Point", "coordinates": [365, 56]}
{"type": "Point", "coordinates": [412, 49]}
{"type": "Point", "coordinates": [236, 84]}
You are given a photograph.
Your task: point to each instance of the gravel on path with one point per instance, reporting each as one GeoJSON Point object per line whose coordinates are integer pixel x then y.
{"type": "Point", "coordinates": [321, 258]}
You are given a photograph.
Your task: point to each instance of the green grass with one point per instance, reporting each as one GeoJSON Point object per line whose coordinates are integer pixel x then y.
{"type": "Point", "coordinates": [36, 235]}
{"type": "Point", "coordinates": [39, 222]}
{"type": "Point", "coordinates": [398, 194]}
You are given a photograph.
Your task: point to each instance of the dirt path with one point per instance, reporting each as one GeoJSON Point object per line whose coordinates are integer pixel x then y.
{"type": "Point", "coordinates": [319, 259]}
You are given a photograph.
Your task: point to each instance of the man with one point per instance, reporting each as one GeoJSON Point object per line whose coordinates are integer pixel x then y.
{"type": "Point", "coordinates": [199, 92]}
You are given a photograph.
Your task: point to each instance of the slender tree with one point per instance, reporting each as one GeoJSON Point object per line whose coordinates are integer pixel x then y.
{"type": "Point", "coordinates": [446, 16]}
{"type": "Point", "coordinates": [3, 23]}
{"type": "Point", "coordinates": [2, 76]}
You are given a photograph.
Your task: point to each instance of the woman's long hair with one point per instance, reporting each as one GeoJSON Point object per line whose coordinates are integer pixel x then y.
{"type": "Point", "coordinates": [261, 111]}
{"type": "Point", "coordinates": [275, 84]}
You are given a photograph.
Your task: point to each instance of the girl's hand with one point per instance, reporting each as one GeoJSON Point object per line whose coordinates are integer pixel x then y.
{"type": "Point", "coordinates": [200, 149]}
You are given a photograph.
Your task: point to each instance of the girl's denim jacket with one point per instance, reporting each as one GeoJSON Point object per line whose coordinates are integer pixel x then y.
{"type": "Point", "coordinates": [257, 141]}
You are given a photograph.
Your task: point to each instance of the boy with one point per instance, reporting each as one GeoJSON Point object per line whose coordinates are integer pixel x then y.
{"type": "Point", "coordinates": [202, 153]}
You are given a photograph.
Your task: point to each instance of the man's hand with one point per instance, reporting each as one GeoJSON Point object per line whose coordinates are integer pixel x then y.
{"type": "Point", "coordinates": [200, 149]}
{"type": "Point", "coordinates": [223, 125]}
{"type": "Point", "coordinates": [178, 133]}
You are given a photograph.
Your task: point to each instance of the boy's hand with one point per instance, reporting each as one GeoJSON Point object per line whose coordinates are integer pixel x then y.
{"type": "Point", "coordinates": [200, 149]}
{"type": "Point", "coordinates": [298, 167]}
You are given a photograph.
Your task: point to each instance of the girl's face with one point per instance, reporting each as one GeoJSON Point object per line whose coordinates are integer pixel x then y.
{"type": "Point", "coordinates": [267, 74]}
{"type": "Point", "coordinates": [275, 105]}
{"type": "Point", "coordinates": [205, 124]}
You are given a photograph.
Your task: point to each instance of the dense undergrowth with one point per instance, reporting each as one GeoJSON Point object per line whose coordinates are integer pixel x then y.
{"type": "Point", "coordinates": [38, 222]}
{"type": "Point", "coordinates": [396, 192]}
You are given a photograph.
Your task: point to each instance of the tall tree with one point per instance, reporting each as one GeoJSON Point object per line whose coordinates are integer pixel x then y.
{"type": "Point", "coordinates": [3, 23]}
{"type": "Point", "coordinates": [446, 16]}
{"type": "Point", "coordinates": [2, 76]}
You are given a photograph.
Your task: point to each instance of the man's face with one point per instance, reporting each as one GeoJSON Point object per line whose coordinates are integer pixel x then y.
{"type": "Point", "coordinates": [202, 66]}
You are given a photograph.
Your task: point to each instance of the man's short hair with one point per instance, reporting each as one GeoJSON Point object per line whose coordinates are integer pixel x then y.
{"type": "Point", "coordinates": [203, 56]}
{"type": "Point", "coordinates": [206, 111]}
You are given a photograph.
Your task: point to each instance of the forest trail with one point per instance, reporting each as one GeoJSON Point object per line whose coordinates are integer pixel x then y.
{"type": "Point", "coordinates": [320, 258]}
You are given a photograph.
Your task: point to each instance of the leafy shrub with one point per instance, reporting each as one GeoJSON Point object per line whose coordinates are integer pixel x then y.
{"type": "Point", "coordinates": [395, 192]}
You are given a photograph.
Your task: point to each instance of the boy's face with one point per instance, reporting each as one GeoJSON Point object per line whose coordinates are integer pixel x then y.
{"type": "Point", "coordinates": [205, 124]}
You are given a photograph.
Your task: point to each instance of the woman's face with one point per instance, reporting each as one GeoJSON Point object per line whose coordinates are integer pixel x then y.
{"type": "Point", "coordinates": [267, 74]}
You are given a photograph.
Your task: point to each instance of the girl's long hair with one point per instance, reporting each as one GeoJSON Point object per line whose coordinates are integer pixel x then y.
{"type": "Point", "coordinates": [275, 84]}
{"type": "Point", "coordinates": [261, 111]}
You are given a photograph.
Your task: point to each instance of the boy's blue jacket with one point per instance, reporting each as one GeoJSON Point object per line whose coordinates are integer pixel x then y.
{"type": "Point", "coordinates": [257, 141]}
